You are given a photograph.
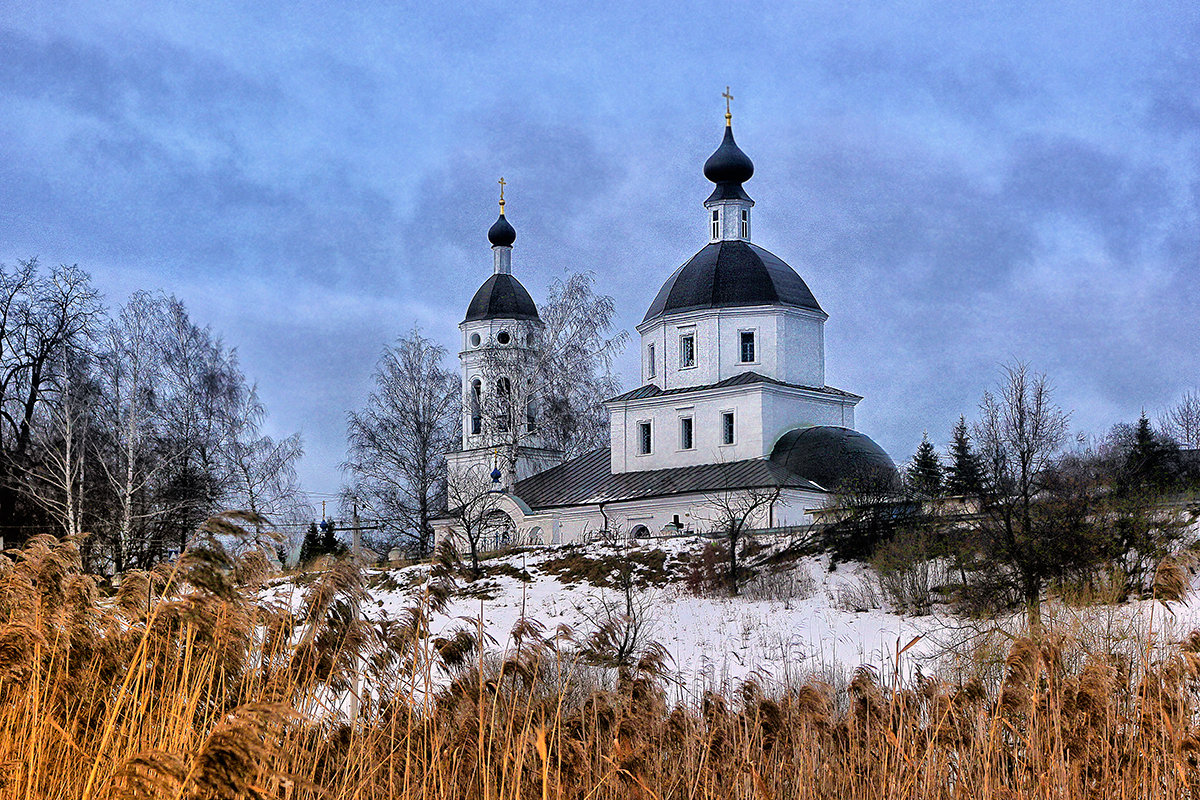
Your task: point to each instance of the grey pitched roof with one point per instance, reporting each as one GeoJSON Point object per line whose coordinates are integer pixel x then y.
{"type": "Point", "coordinates": [729, 274]}
{"type": "Point", "coordinates": [589, 479]}
{"type": "Point", "coordinates": [501, 297]}
{"type": "Point", "coordinates": [742, 379]}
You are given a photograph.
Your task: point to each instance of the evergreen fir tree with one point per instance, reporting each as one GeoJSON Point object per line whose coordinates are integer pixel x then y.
{"type": "Point", "coordinates": [925, 470]}
{"type": "Point", "coordinates": [1152, 462]}
{"type": "Point", "coordinates": [963, 474]}
{"type": "Point", "coordinates": [329, 542]}
{"type": "Point", "coordinates": [311, 547]}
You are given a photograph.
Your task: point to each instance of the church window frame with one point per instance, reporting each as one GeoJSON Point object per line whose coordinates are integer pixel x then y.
{"type": "Point", "coordinates": [745, 223]}
{"type": "Point", "coordinates": [475, 340]}
{"type": "Point", "coordinates": [748, 346]}
{"type": "Point", "coordinates": [687, 432]}
{"type": "Point", "coordinates": [687, 349]}
{"type": "Point", "coordinates": [503, 337]}
{"type": "Point", "coordinates": [728, 428]}
{"type": "Point", "coordinates": [645, 442]}
{"type": "Point", "coordinates": [716, 224]}
{"type": "Point", "coordinates": [650, 365]}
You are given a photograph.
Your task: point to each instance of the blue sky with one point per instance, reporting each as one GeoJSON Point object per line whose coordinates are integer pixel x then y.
{"type": "Point", "coordinates": [959, 183]}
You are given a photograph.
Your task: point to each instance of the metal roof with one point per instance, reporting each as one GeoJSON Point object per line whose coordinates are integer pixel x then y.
{"type": "Point", "coordinates": [730, 274]}
{"type": "Point", "coordinates": [834, 457]}
{"type": "Point", "coordinates": [742, 379]}
{"type": "Point", "coordinates": [501, 297]}
{"type": "Point", "coordinates": [589, 479]}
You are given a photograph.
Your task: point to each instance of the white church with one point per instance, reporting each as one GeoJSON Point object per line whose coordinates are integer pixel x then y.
{"type": "Point", "coordinates": [732, 397]}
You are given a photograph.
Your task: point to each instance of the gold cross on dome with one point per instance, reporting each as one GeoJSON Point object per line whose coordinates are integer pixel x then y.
{"type": "Point", "coordinates": [502, 185]}
{"type": "Point", "coordinates": [728, 97]}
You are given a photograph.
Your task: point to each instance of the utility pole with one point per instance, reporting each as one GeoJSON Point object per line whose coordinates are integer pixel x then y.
{"type": "Point", "coordinates": [355, 553]}
{"type": "Point", "coordinates": [356, 548]}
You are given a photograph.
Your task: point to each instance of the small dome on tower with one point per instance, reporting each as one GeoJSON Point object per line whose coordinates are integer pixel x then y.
{"type": "Point", "coordinates": [502, 233]}
{"type": "Point", "coordinates": [728, 164]}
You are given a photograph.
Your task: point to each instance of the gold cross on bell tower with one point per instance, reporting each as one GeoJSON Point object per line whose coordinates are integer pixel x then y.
{"type": "Point", "coordinates": [502, 185]}
{"type": "Point", "coordinates": [728, 97]}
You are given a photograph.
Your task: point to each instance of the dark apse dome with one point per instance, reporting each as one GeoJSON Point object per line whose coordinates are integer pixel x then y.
{"type": "Point", "coordinates": [833, 458]}
{"type": "Point", "coordinates": [728, 274]}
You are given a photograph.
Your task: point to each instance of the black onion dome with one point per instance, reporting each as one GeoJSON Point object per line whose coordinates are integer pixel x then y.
{"type": "Point", "coordinates": [728, 167]}
{"type": "Point", "coordinates": [729, 274]}
{"type": "Point", "coordinates": [833, 458]}
{"type": "Point", "coordinates": [502, 233]}
{"type": "Point", "coordinates": [501, 297]}
{"type": "Point", "coordinates": [728, 163]}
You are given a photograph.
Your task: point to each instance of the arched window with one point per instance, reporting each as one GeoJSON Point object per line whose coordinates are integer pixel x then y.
{"type": "Point", "coordinates": [476, 407]}
{"type": "Point", "coordinates": [640, 532]}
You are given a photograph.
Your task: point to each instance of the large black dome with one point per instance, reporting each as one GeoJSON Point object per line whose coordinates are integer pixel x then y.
{"type": "Point", "coordinates": [729, 274]}
{"type": "Point", "coordinates": [834, 458]}
{"type": "Point", "coordinates": [501, 297]}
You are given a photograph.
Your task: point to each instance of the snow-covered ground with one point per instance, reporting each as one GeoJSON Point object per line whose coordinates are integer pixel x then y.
{"type": "Point", "coordinates": [714, 641]}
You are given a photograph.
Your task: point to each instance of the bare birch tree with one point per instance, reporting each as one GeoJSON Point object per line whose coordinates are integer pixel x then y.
{"type": "Point", "coordinates": [1182, 421]}
{"type": "Point", "coordinates": [548, 387]}
{"type": "Point", "coordinates": [43, 317]}
{"type": "Point", "coordinates": [473, 503]}
{"type": "Point", "coordinates": [397, 444]}
{"type": "Point", "coordinates": [1020, 434]}
{"type": "Point", "coordinates": [735, 514]}
{"type": "Point", "coordinates": [261, 469]}
{"type": "Point", "coordinates": [57, 479]}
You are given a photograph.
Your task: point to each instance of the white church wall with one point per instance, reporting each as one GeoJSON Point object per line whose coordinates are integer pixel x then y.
{"type": "Point", "coordinates": [802, 356]}
{"type": "Point", "coordinates": [795, 506]}
{"type": "Point", "coordinates": [665, 415]}
{"type": "Point", "coordinates": [694, 513]}
{"type": "Point", "coordinates": [785, 409]}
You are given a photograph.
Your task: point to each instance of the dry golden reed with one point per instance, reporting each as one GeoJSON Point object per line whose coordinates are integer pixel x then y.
{"type": "Point", "coordinates": [199, 681]}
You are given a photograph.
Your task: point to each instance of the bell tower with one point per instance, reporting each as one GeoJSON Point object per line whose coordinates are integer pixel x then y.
{"type": "Point", "coordinates": [499, 357]}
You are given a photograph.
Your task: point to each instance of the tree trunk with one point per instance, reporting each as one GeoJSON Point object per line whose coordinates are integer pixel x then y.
{"type": "Point", "coordinates": [733, 583]}
{"type": "Point", "coordinates": [1033, 608]}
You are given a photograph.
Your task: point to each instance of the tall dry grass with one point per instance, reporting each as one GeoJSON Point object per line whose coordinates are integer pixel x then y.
{"type": "Point", "coordinates": [194, 682]}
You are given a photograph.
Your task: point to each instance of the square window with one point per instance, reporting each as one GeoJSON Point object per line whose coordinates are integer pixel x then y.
{"type": "Point", "coordinates": [685, 433]}
{"type": "Point", "coordinates": [644, 438]}
{"type": "Point", "coordinates": [687, 350]}
{"type": "Point", "coordinates": [650, 360]}
{"type": "Point", "coordinates": [748, 347]}
{"type": "Point", "coordinates": [727, 427]}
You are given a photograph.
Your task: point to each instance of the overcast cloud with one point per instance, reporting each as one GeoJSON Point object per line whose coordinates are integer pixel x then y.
{"type": "Point", "coordinates": [960, 184]}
